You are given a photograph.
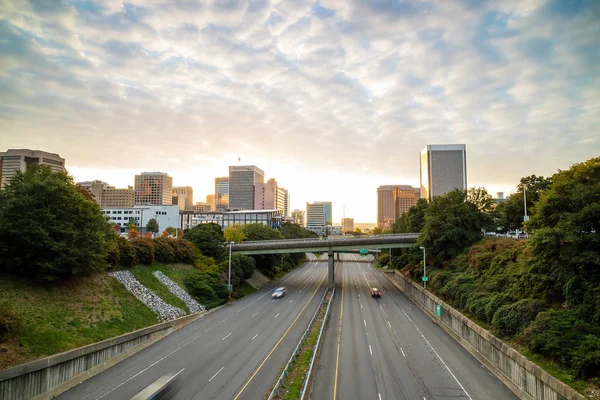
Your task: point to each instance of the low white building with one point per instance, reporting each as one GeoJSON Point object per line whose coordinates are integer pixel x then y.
{"type": "Point", "coordinates": [326, 230]}
{"type": "Point", "coordinates": [166, 216]}
{"type": "Point", "coordinates": [272, 218]}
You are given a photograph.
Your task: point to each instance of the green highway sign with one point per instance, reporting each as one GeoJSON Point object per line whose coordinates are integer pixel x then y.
{"type": "Point", "coordinates": [364, 251]}
{"type": "Point", "coordinates": [438, 310]}
{"type": "Point", "coordinates": [425, 278]}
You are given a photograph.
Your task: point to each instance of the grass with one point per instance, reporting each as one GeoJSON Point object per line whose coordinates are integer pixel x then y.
{"type": "Point", "coordinates": [145, 275]}
{"type": "Point", "coordinates": [244, 289]}
{"type": "Point", "coordinates": [64, 316]}
{"type": "Point", "coordinates": [295, 380]}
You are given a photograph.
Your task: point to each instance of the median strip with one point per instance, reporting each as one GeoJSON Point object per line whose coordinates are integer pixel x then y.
{"type": "Point", "coordinates": [293, 382]}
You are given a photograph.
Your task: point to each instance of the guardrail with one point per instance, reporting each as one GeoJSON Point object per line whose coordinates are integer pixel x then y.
{"type": "Point", "coordinates": [316, 350]}
{"type": "Point", "coordinates": [296, 352]}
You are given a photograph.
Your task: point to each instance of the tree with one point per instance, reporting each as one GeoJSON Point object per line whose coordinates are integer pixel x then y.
{"type": "Point", "coordinates": [208, 238]}
{"type": "Point", "coordinates": [295, 231]}
{"type": "Point", "coordinates": [234, 233]}
{"type": "Point", "coordinates": [49, 230]}
{"type": "Point", "coordinates": [481, 198]}
{"type": "Point", "coordinates": [566, 221]}
{"type": "Point", "coordinates": [261, 232]}
{"type": "Point", "coordinates": [413, 220]}
{"type": "Point", "coordinates": [510, 213]}
{"type": "Point", "coordinates": [152, 226]}
{"type": "Point", "coordinates": [376, 231]}
{"type": "Point", "coordinates": [451, 225]}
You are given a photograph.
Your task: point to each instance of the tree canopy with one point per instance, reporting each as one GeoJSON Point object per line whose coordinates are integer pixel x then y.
{"type": "Point", "coordinates": [49, 228]}
{"type": "Point", "coordinates": [152, 226]}
{"type": "Point", "coordinates": [295, 231]}
{"type": "Point", "coordinates": [413, 220]}
{"type": "Point", "coordinates": [208, 238]}
{"type": "Point", "coordinates": [234, 233]}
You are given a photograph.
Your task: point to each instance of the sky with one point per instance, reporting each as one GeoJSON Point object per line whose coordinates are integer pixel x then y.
{"type": "Point", "coordinates": [332, 98]}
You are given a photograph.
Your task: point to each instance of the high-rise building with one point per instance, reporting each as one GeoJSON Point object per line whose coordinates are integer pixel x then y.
{"type": "Point", "coordinates": [187, 192]}
{"type": "Point", "coordinates": [299, 217]}
{"type": "Point", "coordinates": [210, 199]}
{"type": "Point", "coordinates": [241, 186]}
{"type": "Point", "coordinates": [318, 214]}
{"type": "Point", "coordinates": [270, 196]}
{"type": "Point", "coordinates": [347, 224]}
{"type": "Point", "coordinates": [14, 160]}
{"type": "Point", "coordinates": [153, 188]}
{"type": "Point", "coordinates": [286, 205]}
{"type": "Point", "coordinates": [392, 202]}
{"type": "Point", "coordinates": [443, 169]}
{"type": "Point", "coordinates": [109, 196]}
{"type": "Point", "coordinates": [221, 194]}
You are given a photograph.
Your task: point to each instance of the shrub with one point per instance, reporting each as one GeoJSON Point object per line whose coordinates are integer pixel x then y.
{"type": "Point", "coordinates": [164, 250]}
{"type": "Point", "coordinates": [587, 357]}
{"type": "Point", "coordinates": [477, 304]}
{"type": "Point", "coordinates": [144, 250]}
{"type": "Point", "coordinates": [127, 254]}
{"type": "Point", "coordinates": [495, 302]}
{"type": "Point", "coordinates": [206, 288]}
{"type": "Point", "coordinates": [185, 252]}
{"type": "Point", "coordinates": [9, 322]}
{"type": "Point", "coordinates": [513, 318]}
{"type": "Point", "coordinates": [113, 258]}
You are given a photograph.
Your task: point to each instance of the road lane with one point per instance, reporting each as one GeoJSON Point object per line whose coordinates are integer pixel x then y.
{"type": "Point", "coordinates": [401, 353]}
{"type": "Point", "coordinates": [222, 350]}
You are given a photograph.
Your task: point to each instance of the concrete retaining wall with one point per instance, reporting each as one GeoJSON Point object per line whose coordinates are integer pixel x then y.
{"type": "Point", "coordinates": [53, 375]}
{"type": "Point", "coordinates": [526, 379]}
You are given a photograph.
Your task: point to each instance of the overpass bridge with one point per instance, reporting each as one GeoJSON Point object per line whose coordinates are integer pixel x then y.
{"type": "Point", "coordinates": [328, 245]}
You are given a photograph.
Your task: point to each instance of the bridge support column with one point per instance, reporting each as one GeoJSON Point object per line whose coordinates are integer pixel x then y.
{"type": "Point", "coordinates": [331, 270]}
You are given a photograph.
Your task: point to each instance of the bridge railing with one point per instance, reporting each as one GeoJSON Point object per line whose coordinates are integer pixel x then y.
{"type": "Point", "coordinates": [390, 236]}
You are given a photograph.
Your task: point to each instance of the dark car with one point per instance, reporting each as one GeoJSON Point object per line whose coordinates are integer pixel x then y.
{"type": "Point", "coordinates": [278, 293]}
{"type": "Point", "coordinates": [375, 292]}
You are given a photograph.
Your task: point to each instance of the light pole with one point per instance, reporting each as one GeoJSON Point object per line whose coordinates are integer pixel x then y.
{"type": "Point", "coordinates": [229, 280]}
{"type": "Point", "coordinates": [424, 268]}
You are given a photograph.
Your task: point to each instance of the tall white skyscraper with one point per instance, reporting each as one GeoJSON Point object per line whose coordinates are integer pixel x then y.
{"type": "Point", "coordinates": [241, 186]}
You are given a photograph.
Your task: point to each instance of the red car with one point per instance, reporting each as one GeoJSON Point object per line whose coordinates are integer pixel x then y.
{"type": "Point", "coordinates": [375, 292]}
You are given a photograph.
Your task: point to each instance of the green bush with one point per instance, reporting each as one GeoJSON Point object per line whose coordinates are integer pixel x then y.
{"type": "Point", "coordinates": [477, 304]}
{"type": "Point", "coordinates": [113, 258]}
{"type": "Point", "coordinates": [163, 250]}
{"type": "Point", "coordinates": [564, 337]}
{"type": "Point", "coordinates": [495, 302]}
{"type": "Point", "coordinates": [9, 322]}
{"type": "Point", "coordinates": [127, 253]}
{"type": "Point", "coordinates": [144, 250]}
{"type": "Point", "coordinates": [513, 318]}
{"type": "Point", "coordinates": [206, 288]}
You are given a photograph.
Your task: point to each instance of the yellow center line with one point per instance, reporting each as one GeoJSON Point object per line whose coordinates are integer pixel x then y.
{"type": "Point", "coordinates": [280, 340]}
{"type": "Point", "coordinates": [337, 358]}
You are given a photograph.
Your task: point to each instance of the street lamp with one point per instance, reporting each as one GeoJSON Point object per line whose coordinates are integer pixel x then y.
{"type": "Point", "coordinates": [229, 280]}
{"type": "Point", "coordinates": [424, 268]}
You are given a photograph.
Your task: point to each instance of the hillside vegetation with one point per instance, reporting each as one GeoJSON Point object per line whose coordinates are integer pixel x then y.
{"type": "Point", "coordinates": [541, 294]}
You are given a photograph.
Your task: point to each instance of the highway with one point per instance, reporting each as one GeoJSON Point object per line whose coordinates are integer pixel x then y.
{"type": "Point", "coordinates": [388, 348]}
{"type": "Point", "coordinates": [235, 352]}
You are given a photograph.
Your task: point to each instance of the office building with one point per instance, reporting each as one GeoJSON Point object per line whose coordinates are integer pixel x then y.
{"type": "Point", "coordinates": [109, 196]}
{"type": "Point", "coordinates": [286, 205]}
{"type": "Point", "coordinates": [318, 216]}
{"type": "Point", "coordinates": [347, 224]}
{"type": "Point", "coordinates": [500, 198]}
{"type": "Point", "coordinates": [392, 202]}
{"type": "Point", "coordinates": [272, 218]}
{"type": "Point", "coordinates": [166, 216]}
{"type": "Point", "coordinates": [187, 194]}
{"type": "Point", "coordinates": [221, 194]}
{"type": "Point", "coordinates": [299, 217]}
{"type": "Point", "coordinates": [153, 188]}
{"type": "Point", "coordinates": [241, 186]}
{"type": "Point", "coordinates": [14, 160]}
{"type": "Point", "coordinates": [202, 207]}
{"type": "Point", "coordinates": [271, 196]}
{"type": "Point", "coordinates": [210, 199]}
{"type": "Point", "coordinates": [443, 169]}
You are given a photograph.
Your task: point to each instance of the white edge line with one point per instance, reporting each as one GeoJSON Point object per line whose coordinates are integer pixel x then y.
{"type": "Point", "coordinates": [404, 355]}
{"type": "Point", "coordinates": [213, 377]}
{"type": "Point", "coordinates": [438, 356]}
{"type": "Point", "coordinates": [390, 325]}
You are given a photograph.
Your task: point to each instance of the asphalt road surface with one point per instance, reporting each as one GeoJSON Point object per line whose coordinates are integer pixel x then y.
{"type": "Point", "coordinates": [387, 348]}
{"type": "Point", "coordinates": [236, 352]}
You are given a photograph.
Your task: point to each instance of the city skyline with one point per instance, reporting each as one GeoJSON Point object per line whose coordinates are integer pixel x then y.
{"type": "Point", "coordinates": [333, 99]}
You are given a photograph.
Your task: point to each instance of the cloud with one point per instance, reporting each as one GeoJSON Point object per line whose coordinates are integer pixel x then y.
{"type": "Point", "coordinates": [319, 85]}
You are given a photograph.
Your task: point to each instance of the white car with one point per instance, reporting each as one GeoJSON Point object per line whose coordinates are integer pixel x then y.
{"type": "Point", "coordinates": [278, 293]}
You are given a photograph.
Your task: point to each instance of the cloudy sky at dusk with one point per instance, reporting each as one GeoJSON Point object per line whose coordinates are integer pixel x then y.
{"type": "Point", "coordinates": [332, 98]}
